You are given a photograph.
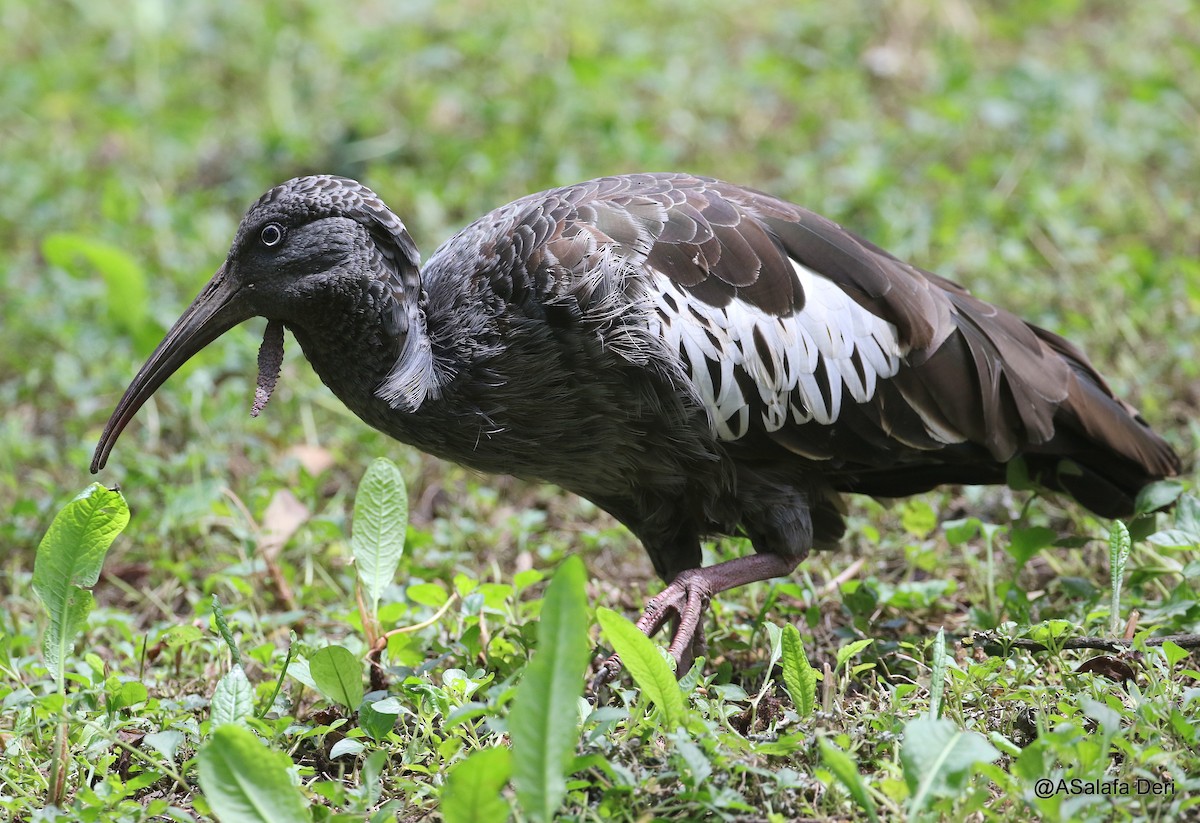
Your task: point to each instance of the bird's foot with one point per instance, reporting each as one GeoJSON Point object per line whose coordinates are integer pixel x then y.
{"type": "Point", "coordinates": [683, 603]}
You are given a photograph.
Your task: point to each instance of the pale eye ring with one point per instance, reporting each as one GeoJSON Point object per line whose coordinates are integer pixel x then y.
{"type": "Point", "coordinates": [272, 234]}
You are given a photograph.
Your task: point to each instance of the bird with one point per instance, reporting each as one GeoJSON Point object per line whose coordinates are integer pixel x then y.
{"type": "Point", "coordinates": [695, 357]}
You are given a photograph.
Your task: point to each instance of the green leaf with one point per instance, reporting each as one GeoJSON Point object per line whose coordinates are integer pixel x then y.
{"type": "Point", "coordinates": [472, 792]}
{"type": "Point", "coordinates": [224, 631]}
{"type": "Point", "coordinates": [372, 771]}
{"type": "Point", "coordinates": [433, 595]}
{"type": "Point", "coordinates": [233, 698]}
{"type": "Point", "coordinates": [851, 649]}
{"type": "Point", "coordinates": [645, 665]}
{"type": "Point", "coordinates": [799, 678]}
{"type": "Point", "coordinates": [379, 717]}
{"type": "Point", "coordinates": [68, 561]}
{"type": "Point", "coordinates": [244, 781]}
{"type": "Point", "coordinates": [937, 678]}
{"type": "Point", "coordinates": [1118, 554]}
{"type": "Point", "coordinates": [65, 623]}
{"type": "Point", "coordinates": [695, 761]}
{"type": "Point", "coordinates": [958, 532]}
{"type": "Point", "coordinates": [1157, 495]}
{"type": "Point", "coordinates": [1024, 543]}
{"type": "Point", "coordinates": [338, 675]}
{"type": "Point", "coordinates": [126, 695]}
{"type": "Point", "coordinates": [846, 771]}
{"type": "Point", "coordinates": [166, 742]}
{"type": "Point", "coordinates": [544, 720]}
{"type": "Point", "coordinates": [127, 299]}
{"type": "Point", "coordinates": [918, 518]}
{"type": "Point", "coordinates": [1050, 632]}
{"type": "Point", "coordinates": [939, 758]}
{"type": "Point", "coordinates": [1173, 652]}
{"type": "Point", "coordinates": [347, 746]}
{"type": "Point", "coordinates": [379, 528]}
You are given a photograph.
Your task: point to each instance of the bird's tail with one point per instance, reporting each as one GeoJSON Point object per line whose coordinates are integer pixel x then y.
{"type": "Point", "coordinates": [1013, 392]}
{"type": "Point", "coordinates": [1102, 452]}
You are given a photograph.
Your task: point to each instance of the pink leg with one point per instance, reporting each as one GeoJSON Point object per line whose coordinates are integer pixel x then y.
{"type": "Point", "coordinates": [685, 599]}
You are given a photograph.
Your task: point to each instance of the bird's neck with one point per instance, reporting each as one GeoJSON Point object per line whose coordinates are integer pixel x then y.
{"type": "Point", "coordinates": [373, 350]}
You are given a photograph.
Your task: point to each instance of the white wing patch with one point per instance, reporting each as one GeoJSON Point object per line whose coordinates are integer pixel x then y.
{"type": "Point", "coordinates": [801, 365]}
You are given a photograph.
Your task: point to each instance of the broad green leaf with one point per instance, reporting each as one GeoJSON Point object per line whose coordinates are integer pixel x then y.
{"type": "Point", "coordinates": [960, 531]}
{"type": "Point", "coordinates": [937, 676]}
{"type": "Point", "coordinates": [126, 695]}
{"type": "Point", "coordinates": [68, 561]}
{"type": "Point", "coordinates": [433, 595]}
{"type": "Point", "coordinates": [233, 698]}
{"type": "Point", "coordinates": [472, 792]}
{"type": "Point", "coordinates": [846, 771]}
{"type": "Point", "coordinates": [799, 678]}
{"type": "Point", "coordinates": [645, 664]}
{"type": "Point", "coordinates": [1050, 632]}
{"type": "Point", "coordinates": [1157, 495]}
{"type": "Point", "coordinates": [938, 759]}
{"type": "Point", "coordinates": [1175, 539]}
{"type": "Point", "coordinates": [244, 781]}
{"type": "Point", "coordinates": [1024, 543]}
{"type": "Point", "coordinates": [65, 623]}
{"type": "Point", "coordinates": [544, 720]}
{"type": "Point", "coordinates": [338, 675]}
{"type": "Point", "coordinates": [346, 746]}
{"type": "Point", "coordinates": [166, 742]}
{"type": "Point", "coordinates": [379, 717]}
{"type": "Point", "coordinates": [851, 649]}
{"type": "Point", "coordinates": [299, 671]}
{"type": "Point", "coordinates": [918, 518]}
{"type": "Point", "coordinates": [1173, 652]}
{"type": "Point", "coordinates": [380, 524]}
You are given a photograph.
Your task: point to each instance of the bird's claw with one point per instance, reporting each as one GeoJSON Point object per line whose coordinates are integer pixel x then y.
{"type": "Point", "coordinates": [683, 603]}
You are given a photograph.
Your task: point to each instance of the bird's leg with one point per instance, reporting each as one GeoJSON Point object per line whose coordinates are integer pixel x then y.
{"type": "Point", "coordinates": [684, 600]}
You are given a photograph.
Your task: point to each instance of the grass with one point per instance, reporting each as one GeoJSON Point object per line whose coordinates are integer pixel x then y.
{"type": "Point", "coordinates": [1042, 153]}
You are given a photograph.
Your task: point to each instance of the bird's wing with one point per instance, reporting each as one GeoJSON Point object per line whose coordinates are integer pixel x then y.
{"type": "Point", "coordinates": [781, 319]}
{"type": "Point", "coordinates": [789, 330]}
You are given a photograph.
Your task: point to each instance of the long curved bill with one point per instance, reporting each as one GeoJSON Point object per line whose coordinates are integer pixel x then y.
{"type": "Point", "coordinates": [217, 309]}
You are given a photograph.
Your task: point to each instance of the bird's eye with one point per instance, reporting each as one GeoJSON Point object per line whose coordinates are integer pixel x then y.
{"type": "Point", "coordinates": [272, 234]}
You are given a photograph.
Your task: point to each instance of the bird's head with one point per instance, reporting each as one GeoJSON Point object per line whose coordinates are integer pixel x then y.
{"type": "Point", "coordinates": [299, 246]}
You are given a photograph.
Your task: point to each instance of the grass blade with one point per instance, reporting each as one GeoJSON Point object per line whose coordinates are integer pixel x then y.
{"type": "Point", "coordinates": [645, 665]}
{"type": "Point", "coordinates": [544, 721]}
{"type": "Point", "coordinates": [244, 781]}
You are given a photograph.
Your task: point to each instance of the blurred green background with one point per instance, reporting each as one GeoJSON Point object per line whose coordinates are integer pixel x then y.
{"type": "Point", "coordinates": [1043, 152]}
